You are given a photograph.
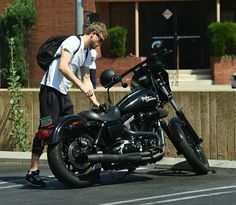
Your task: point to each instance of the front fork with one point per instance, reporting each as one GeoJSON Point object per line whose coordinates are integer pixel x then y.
{"type": "Point", "coordinates": [181, 115]}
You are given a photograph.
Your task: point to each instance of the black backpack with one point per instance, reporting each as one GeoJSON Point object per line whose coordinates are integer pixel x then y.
{"type": "Point", "coordinates": [48, 49]}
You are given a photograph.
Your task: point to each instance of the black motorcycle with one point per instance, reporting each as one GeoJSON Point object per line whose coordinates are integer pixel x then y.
{"type": "Point", "coordinates": [125, 136]}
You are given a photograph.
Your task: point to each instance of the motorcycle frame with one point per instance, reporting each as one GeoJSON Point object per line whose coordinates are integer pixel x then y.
{"type": "Point", "coordinates": [161, 84]}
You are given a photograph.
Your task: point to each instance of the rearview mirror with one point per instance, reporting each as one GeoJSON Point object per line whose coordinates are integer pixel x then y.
{"type": "Point", "coordinates": [157, 44]}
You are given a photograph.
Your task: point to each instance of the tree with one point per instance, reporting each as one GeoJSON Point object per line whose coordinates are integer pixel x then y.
{"type": "Point", "coordinates": [16, 22]}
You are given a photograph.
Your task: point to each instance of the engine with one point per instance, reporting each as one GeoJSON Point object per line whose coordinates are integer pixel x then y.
{"type": "Point", "coordinates": [137, 144]}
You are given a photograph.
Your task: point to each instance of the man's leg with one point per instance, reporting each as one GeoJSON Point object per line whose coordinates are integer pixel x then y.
{"type": "Point", "coordinates": [32, 177]}
{"type": "Point", "coordinates": [37, 150]}
{"type": "Point", "coordinates": [34, 162]}
{"type": "Point", "coordinates": [49, 105]}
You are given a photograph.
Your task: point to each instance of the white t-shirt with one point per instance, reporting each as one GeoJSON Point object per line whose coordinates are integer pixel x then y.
{"type": "Point", "coordinates": [93, 58]}
{"type": "Point", "coordinates": [55, 78]}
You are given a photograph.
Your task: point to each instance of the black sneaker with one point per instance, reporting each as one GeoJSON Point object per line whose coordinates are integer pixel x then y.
{"type": "Point", "coordinates": [34, 179]}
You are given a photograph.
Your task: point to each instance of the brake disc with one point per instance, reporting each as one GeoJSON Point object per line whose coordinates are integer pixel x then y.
{"type": "Point", "coordinates": [77, 155]}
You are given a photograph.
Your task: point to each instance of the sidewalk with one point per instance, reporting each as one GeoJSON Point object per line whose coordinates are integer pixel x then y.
{"type": "Point", "coordinates": [166, 162]}
{"type": "Point", "coordinates": [21, 157]}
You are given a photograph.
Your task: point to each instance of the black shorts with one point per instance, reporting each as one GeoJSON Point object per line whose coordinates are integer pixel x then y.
{"type": "Point", "coordinates": [52, 103]}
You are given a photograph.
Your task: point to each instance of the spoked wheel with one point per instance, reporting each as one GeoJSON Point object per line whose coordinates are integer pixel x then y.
{"type": "Point", "coordinates": [185, 145]}
{"type": "Point", "coordinates": [68, 161]}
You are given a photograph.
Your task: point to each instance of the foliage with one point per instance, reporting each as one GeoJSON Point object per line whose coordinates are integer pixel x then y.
{"type": "Point", "coordinates": [117, 36]}
{"type": "Point", "coordinates": [19, 124]}
{"type": "Point", "coordinates": [16, 21]}
{"type": "Point", "coordinates": [223, 38]}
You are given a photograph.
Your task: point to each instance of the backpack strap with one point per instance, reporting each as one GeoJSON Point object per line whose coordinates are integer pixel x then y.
{"type": "Point", "coordinates": [58, 56]}
{"type": "Point", "coordinates": [87, 50]}
{"type": "Point", "coordinates": [79, 44]}
{"type": "Point", "coordinates": [78, 36]}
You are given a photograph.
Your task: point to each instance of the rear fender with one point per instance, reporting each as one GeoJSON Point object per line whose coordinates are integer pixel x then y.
{"type": "Point", "coordinates": [59, 125]}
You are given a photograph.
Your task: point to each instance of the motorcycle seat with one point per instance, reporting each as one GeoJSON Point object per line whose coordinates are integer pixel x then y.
{"type": "Point", "coordinates": [113, 114]}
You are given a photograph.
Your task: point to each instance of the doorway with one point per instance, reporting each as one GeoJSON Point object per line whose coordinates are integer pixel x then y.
{"type": "Point", "coordinates": [182, 28]}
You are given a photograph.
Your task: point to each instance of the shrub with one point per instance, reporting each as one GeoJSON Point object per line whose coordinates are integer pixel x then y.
{"type": "Point", "coordinates": [223, 38]}
{"type": "Point", "coordinates": [16, 21]}
{"type": "Point", "coordinates": [117, 46]}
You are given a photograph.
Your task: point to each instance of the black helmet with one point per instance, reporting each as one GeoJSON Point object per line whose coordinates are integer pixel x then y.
{"type": "Point", "coordinates": [106, 77]}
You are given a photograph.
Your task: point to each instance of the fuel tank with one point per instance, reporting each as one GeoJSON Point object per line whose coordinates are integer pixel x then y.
{"type": "Point", "coordinates": [138, 100]}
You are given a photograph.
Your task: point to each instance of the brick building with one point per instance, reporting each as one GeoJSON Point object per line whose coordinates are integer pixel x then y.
{"type": "Point", "coordinates": [53, 17]}
{"type": "Point", "coordinates": [144, 20]}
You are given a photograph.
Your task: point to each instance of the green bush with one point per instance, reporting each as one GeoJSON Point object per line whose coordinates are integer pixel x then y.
{"type": "Point", "coordinates": [16, 22]}
{"type": "Point", "coordinates": [223, 38]}
{"type": "Point", "coordinates": [117, 46]}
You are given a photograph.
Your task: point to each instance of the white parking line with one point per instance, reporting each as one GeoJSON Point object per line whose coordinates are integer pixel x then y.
{"type": "Point", "coordinates": [174, 194]}
{"type": "Point", "coordinates": [3, 183]}
{"type": "Point", "coordinates": [189, 197]}
{"type": "Point", "coordinates": [12, 186]}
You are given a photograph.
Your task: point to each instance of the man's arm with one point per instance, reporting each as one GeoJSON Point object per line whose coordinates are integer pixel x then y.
{"type": "Point", "coordinates": [85, 76]}
{"type": "Point", "coordinates": [68, 73]}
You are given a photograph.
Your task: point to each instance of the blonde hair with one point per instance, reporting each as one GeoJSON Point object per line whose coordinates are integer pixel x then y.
{"type": "Point", "coordinates": [99, 28]}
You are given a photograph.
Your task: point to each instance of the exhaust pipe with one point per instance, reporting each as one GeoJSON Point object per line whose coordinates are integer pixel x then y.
{"type": "Point", "coordinates": [122, 158]}
{"type": "Point", "coordinates": [129, 157]}
{"type": "Point", "coordinates": [109, 158]}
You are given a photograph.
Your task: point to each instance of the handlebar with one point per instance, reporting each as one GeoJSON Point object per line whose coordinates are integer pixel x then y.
{"type": "Point", "coordinates": [118, 78]}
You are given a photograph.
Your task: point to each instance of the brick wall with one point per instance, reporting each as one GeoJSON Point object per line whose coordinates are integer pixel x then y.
{"type": "Point", "coordinates": [53, 17]}
{"type": "Point", "coordinates": [89, 5]}
{"type": "Point", "coordinates": [3, 4]}
{"type": "Point", "coordinates": [222, 69]}
{"type": "Point", "coordinates": [120, 65]}
{"type": "Point", "coordinates": [59, 17]}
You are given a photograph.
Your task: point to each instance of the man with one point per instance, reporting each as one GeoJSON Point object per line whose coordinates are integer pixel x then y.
{"type": "Point", "coordinates": [53, 97]}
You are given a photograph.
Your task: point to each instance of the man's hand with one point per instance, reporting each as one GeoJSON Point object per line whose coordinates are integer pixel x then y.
{"type": "Point", "coordinates": [102, 107]}
{"type": "Point", "coordinates": [99, 108]}
{"type": "Point", "coordinates": [87, 91]}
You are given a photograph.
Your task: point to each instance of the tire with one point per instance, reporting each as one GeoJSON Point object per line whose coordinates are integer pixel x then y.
{"type": "Point", "coordinates": [193, 152]}
{"type": "Point", "coordinates": [67, 170]}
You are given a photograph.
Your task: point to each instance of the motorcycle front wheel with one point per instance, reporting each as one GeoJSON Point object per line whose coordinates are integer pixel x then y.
{"type": "Point", "coordinates": [68, 162]}
{"type": "Point", "coordinates": [185, 145]}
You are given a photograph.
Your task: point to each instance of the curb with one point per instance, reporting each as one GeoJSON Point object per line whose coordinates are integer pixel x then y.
{"type": "Point", "coordinates": [181, 163]}
{"type": "Point", "coordinates": [19, 157]}
{"type": "Point", "coordinates": [166, 162]}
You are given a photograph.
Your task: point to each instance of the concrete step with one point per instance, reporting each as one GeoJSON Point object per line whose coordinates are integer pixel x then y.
{"type": "Point", "coordinates": [191, 71]}
{"type": "Point", "coordinates": [194, 83]}
{"type": "Point", "coordinates": [188, 77]}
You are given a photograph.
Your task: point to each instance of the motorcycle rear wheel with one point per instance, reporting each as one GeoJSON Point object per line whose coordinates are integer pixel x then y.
{"type": "Point", "coordinates": [193, 153]}
{"type": "Point", "coordinates": [71, 172]}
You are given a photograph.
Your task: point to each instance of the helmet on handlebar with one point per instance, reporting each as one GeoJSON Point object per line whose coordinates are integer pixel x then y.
{"type": "Point", "coordinates": [106, 77]}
